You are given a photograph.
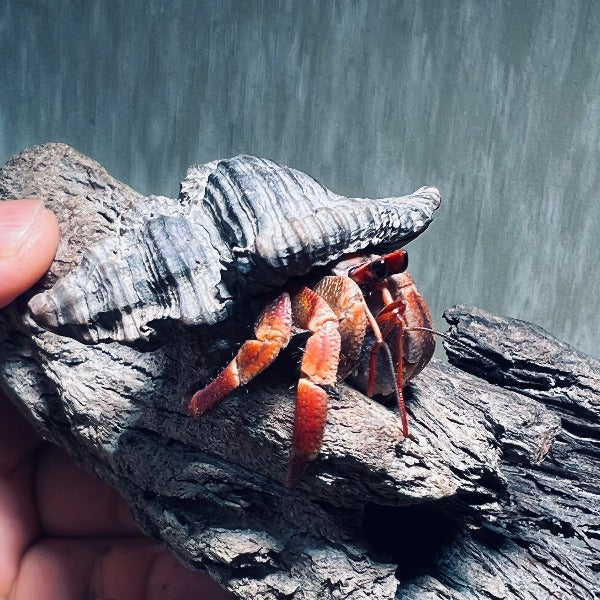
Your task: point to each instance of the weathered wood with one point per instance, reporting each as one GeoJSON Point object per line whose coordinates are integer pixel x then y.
{"type": "Point", "coordinates": [209, 488]}
{"type": "Point", "coordinates": [550, 528]}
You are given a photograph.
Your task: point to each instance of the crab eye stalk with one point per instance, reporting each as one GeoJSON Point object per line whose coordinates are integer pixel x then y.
{"type": "Point", "coordinates": [380, 268]}
{"type": "Point", "coordinates": [396, 262]}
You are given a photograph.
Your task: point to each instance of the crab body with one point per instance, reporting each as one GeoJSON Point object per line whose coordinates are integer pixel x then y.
{"type": "Point", "coordinates": [336, 312]}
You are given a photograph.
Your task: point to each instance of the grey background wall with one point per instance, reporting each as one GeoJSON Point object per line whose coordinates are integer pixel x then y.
{"type": "Point", "coordinates": [495, 102]}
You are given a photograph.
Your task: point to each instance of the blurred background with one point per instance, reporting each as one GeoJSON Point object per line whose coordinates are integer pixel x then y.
{"type": "Point", "coordinates": [495, 102]}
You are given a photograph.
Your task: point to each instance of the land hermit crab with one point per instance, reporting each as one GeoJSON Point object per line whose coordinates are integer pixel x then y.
{"type": "Point", "coordinates": [337, 314]}
{"type": "Point", "coordinates": [246, 226]}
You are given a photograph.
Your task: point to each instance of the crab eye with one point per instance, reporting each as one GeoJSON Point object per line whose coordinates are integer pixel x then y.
{"type": "Point", "coordinates": [379, 268]}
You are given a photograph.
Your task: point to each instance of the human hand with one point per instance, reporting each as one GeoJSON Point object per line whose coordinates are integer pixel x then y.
{"type": "Point", "coordinates": [64, 534]}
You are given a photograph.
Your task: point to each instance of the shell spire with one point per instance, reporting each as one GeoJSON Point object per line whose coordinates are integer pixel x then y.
{"type": "Point", "coordinates": [241, 226]}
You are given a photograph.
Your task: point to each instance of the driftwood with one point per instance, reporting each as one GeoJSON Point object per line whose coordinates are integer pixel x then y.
{"type": "Point", "coordinates": [494, 495]}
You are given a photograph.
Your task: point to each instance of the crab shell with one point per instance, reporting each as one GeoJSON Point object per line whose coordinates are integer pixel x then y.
{"type": "Point", "coordinates": [241, 226]}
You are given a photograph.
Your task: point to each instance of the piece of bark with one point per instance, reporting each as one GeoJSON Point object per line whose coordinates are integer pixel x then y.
{"type": "Point", "coordinates": [550, 528]}
{"type": "Point", "coordinates": [526, 358]}
{"type": "Point", "coordinates": [210, 488]}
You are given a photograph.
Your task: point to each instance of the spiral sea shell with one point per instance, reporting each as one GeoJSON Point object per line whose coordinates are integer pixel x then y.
{"type": "Point", "coordinates": [240, 226]}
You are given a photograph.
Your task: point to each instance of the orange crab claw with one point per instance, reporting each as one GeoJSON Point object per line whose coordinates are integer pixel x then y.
{"type": "Point", "coordinates": [319, 368]}
{"type": "Point", "coordinates": [273, 331]}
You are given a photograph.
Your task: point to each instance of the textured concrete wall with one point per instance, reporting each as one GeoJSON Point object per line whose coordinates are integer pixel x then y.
{"type": "Point", "coordinates": [495, 102]}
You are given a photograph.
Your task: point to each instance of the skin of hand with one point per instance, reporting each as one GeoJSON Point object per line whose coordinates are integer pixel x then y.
{"type": "Point", "coordinates": [64, 534]}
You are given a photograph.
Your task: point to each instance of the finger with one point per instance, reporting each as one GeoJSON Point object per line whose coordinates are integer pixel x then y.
{"type": "Point", "coordinates": [18, 518]}
{"type": "Point", "coordinates": [19, 524]}
{"type": "Point", "coordinates": [162, 576]}
{"type": "Point", "coordinates": [133, 569]}
{"type": "Point", "coordinates": [28, 242]}
{"type": "Point", "coordinates": [54, 569]}
{"type": "Point", "coordinates": [73, 502]}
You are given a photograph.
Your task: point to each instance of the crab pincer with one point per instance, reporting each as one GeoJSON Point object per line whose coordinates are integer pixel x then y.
{"type": "Point", "coordinates": [306, 310]}
{"type": "Point", "coordinates": [273, 331]}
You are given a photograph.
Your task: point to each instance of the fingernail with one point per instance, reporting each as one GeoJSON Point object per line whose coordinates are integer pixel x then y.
{"type": "Point", "coordinates": [17, 221]}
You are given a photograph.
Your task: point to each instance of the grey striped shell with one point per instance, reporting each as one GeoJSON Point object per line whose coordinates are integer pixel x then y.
{"type": "Point", "coordinates": [239, 227]}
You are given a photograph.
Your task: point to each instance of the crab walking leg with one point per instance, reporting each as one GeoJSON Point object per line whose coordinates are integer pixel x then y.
{"type": "Point", "coordinates": [391, 322]}
{"type": "Point", "coordinates": [318, 369]}
{"type": "Point", "coordinates": [346, 300]}
{"type": "Point", "coordinates": [273, 331]}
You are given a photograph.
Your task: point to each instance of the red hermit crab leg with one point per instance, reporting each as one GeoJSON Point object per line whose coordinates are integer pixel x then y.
{"type": "Point", "coordinates": [390, 319]}
{"type": "Point", "coordinates": [273, 331]}
{"type": "Point", "coordinates": [406, 317]}
{"type": "Point", "coordinates": [381, 343]}
{"type": "Point", "coordinates": [319, 368]}
{"type": "Point", "coordinates": [374, 274]}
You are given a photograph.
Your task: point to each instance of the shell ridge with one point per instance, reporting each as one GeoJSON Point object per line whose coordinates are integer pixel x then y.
{"type": "Point", "coordinates": [288, 228]}
{"type": "Point", "coordinates": [290, 215]}
{"type": "Point", "coordinates": [214, 200]}
{"type": "Point", "coordinates": [234, 210]}
{"type": "Point", "coordinates": [184, 257]}
{"type": "Point", "coordinates": [249, 197]}
{"type": "Point", "coordinates": [150, 251]}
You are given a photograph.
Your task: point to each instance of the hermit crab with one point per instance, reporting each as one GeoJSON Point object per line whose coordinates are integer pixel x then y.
{"type": "Point", "coordinates": [336, 311]}
{"type": "Point", "coordinates": [243, 227]}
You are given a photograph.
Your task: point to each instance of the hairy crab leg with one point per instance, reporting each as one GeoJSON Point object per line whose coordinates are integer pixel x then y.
{"type": "Point", "coordinates": [273, 331]}
{"type": "Point", "coordinates": [390, 319]}
{"type": "Point", "coordinates": [318, 371]}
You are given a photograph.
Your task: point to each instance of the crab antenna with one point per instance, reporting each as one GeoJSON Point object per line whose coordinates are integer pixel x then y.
{"type": "Point", "coordinates": [452, 340]}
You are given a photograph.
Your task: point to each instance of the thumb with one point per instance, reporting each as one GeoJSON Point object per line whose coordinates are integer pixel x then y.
{"type": "Point", "coordinates": [28, 242]}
